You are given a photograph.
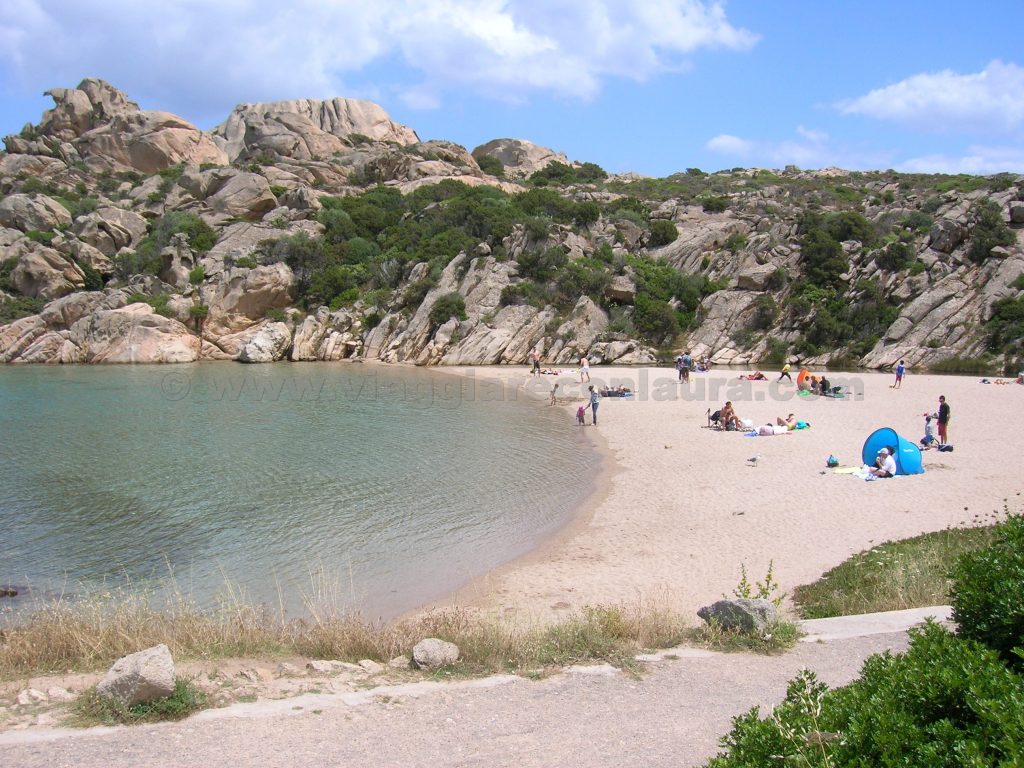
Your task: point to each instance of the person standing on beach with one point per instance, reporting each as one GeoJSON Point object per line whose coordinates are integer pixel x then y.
{"type": "Point", "coordinates": [943, 415]}
{"type": "Point", "coordinates": [785, 373]}
{"type": "Point", "coordinates": [900, 370]}
{"type": "Point", "coordinates": [554, 394]}
{"type": "Point", "coordinates": [687, 365]}
{"type": "Point", "coordinates": [584, 369]}
{"type": "Point", "coordinates": [535, 357]}
{"type": "Point", "coordinates": [595, 401]}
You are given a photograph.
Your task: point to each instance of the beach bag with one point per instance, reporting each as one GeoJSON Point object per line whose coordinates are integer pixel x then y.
{"type": "Point", "coordinates": [832, 461]}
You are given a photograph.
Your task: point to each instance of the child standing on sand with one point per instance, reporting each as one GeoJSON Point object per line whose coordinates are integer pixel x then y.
{"type": "Point", "coordinates": [900, 370]}
{"type": "Point", "coordinates": [929, 434]}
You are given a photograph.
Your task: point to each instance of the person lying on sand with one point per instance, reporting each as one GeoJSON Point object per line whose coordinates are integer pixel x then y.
{"type": "Point", "coordinates": [789, 422]}
{"type": "Point", "coordinates": [755, 376]}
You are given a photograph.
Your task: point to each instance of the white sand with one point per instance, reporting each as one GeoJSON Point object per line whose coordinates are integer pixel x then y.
{"type": "Point", "coordinates": [682, 508]}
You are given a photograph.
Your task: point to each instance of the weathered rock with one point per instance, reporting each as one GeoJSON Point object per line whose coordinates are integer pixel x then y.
{"type": "Point", "coordinates": [622, 289]}
{"type": "Point", "coordinates": [108, 229]}
{"type": "Point", "coordinates": [1016, 212]}
{"type": "Point", "coordinates": [176, 262]}
{"type": "Point", "coordinates": [521, 158]}
{"type": "Point", "coordinates": [946, 235]}
{"type": "Point", "coordinates": [327, 335]}
{"type": "Point", "coordinates": [306, 129]}
{"type": "Point", "coordinates": [132, 334]}
{"type": "Point", "coordinates": [432, 653]}
{"type": "Point", "coordinates": [269, 344]}
{"type": "Point", "coordinates": [44, 273]}
{"type": "Point", "coordinates": [27, 213]}
{"type": "Point", "coordinates": [140, 677]}
{"type": "Point", "coordinates": [742, 614]}
{"type": "Point", "coordinates": [98, 123]}
{"type": "Point", "coordinates": [228, 192]}
{"type": "Point", "coordinates": [238, 297]}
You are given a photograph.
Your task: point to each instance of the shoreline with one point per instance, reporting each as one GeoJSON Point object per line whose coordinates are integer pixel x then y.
{"type": "Point", "coordinates": [678, 510]}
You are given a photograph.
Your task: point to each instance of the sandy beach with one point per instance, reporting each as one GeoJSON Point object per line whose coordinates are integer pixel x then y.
{"type": "Point", "coordinates": [679, 507]}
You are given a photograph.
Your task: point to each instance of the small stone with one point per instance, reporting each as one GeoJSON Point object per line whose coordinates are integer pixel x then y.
{"type": "Point", "coordinates": [59, 694]}
{"type": "Point", "coordinates": [432, 653]}
{"type": "Point", "coordinates": [140, 677]}
{"type": "Point", "coordinates": [30, 696]}
{"type": "Point", "coordinates": [284, 669]}
{"type": "Point", "coordinates": [370, 666]}
{"type": "Point", "coordinates": [400, 662]}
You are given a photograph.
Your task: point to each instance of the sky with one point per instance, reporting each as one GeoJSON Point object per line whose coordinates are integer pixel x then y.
{"type": "Point", "coordinates": [648, 86]}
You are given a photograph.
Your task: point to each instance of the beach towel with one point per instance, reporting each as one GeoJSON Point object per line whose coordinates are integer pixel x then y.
{"type": "Point", "coordinates": [846, 470]}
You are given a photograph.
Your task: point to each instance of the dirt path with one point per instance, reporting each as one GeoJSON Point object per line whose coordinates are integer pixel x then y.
{"type": "Point", "coordinates": [671, 716]}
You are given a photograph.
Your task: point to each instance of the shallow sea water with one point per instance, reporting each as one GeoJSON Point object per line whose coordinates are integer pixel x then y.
{"type": "Point", "coordinates": [379, 489]}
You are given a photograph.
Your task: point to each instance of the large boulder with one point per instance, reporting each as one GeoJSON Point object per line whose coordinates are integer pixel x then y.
{"type": "Point", "coordinates": [521, 158]}
{"type": "Point", "coordinates": [327, 335]}
{"type": "Point", "coordinates": [44, 273]}
{"type": "Point", "coordinates": [946, 235]}
{"type": "Point", "coordinates": [742, 614]}
{"type": "Point", "coordinates": [230, 193]}
{"type": "Point", "coordinates": [110, 229]}
{"type": "Point", "coordinates": [433, 653]}
{"type": "Point", "coordinates": [306, 129]}
{"type": "Point", "coordinates": [268, 345]}
{"type": "Point", "coordinates": [131, 334]}
{"type": "Point", "coordinates": [238, 297]}
{"type": "Point", "coordinates": [27, 213]}
{"type": "Point", "coordinates": [140, 677]}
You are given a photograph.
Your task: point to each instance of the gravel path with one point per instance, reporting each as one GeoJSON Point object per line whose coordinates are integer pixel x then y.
{"type": "Point", "coordinates": [673, 715]}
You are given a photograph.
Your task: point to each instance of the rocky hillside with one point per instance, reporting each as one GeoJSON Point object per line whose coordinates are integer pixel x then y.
{"type": "Point", "coordinates": [323, 230]}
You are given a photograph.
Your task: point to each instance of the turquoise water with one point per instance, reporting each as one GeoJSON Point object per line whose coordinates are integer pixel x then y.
{"type": "Point", "coordinates": [385, 488]}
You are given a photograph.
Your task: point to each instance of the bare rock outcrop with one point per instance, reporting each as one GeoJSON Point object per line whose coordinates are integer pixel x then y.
{"type": "Point", "coordinates": [306, 129]}
{"type": "Point", "coordinates": [97, 123]}
{"type": "Point", "coordinates": [28, 212]}
{"type": "Point", "coordinates": [110, 229]}
{"type": "Point", "coordinates": [327, 335]}
{"type": "Point", "coordinates": [44, 273]}
{"type": "Point", "coordinates": [239, 297]}
{"type": "Point", "coordinates": [521, 158]}
{"type": "Point", "coordinates": [267, 344]}
{"type": "Point", "coordinates": [229, 193]}
{"type": "Point", "coordinates": [131, 334]}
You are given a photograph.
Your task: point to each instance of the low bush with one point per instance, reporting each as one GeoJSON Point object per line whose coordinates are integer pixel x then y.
{"type": "Point", "coordinates": [989, 231]}
{"type": "Point", "coordinates": [18, 307]}
{"type": "Point", "coordinates": [945, 702]}
{"type": "Point", "coordinates": [663, 232]}
{"type": "Point", "coordinates": [446, 307]}
{"type": "Point", "coordinates": [987, 588]}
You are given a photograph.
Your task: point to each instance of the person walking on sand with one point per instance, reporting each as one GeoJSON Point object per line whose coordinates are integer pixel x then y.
{"type": "Point", "coordinates": [535, 357]}
{"type": "Point", "coordinates": [595, 400]}
{"type": "Point", "coordinates": [554, 394]}
{"type": "Point", "coordinates": [584, 369]}
{"type": "Point", "coordinates": [785, 373]}
{"type": "Point", "coordinates": [900, 370]}
{"type": "Point", "coordinates": [943, 419]}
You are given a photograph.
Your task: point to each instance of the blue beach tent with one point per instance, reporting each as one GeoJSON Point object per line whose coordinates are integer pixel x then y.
{"type": "Point", "coordinates": [907, 455]}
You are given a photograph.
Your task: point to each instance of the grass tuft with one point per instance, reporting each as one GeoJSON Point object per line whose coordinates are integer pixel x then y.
{"type": "Point", "coordinates": [92, 709]}
{"type": "Point", "coordinates": [777, 638]}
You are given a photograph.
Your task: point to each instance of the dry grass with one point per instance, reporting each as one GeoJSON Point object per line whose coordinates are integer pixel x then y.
{"type": "Point", "coordinates": [83, 635]}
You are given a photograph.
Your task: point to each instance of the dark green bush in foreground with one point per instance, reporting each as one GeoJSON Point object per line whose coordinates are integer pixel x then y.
{"type": "Point", "coordinates": [945, 702]}
{"type": "Point", "coordinates": [948, 701]}
{"type": "Point", "coordinates": [446, 307]}
{"type": "Point", "coordinates": [988, 593]}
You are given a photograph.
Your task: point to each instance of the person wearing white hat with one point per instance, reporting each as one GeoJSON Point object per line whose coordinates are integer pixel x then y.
{"type": "Point", "coordinates": [885, 464]}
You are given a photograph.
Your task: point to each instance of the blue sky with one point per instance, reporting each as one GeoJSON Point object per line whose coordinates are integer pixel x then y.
{"type": "Point", "coordinates": [652, 86]}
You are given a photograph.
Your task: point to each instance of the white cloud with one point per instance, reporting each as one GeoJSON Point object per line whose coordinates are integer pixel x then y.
{"type": "Point", "coordinates": [733, 146]}
{"type": "Point", "coordinates": [978, 160]}
{"type": "Point", "coordinates": [811, 149]}
{"type": "Point", "coordinates": [991, 100]}
{"type": "Point", "coordinates": [200, 58]}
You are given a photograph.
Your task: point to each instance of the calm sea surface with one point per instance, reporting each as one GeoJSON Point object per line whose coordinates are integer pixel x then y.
{"type": "Point", "coordinates": [385, 487]}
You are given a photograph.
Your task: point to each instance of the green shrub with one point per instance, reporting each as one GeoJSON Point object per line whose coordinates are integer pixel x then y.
{"type": "Point", "coordinates": [989, 231]}
{"type": "Point", "coordinates": [945, 702]}
{"type": "Point", "coordinates": [655, 319]}
{"type": "Point", "coordinates": [158, 301]}
{"type": "Point", "coordinates": [446, 307]}
{"type": "Point", "coordinates": [663, 232]}
{"type": "Point", "coordinates": [895, 257]}
{"type": "Point", "coordinates": [277, 190]}
{"type": "Point", "coordinates": [490, 165]}
{"type": "Point", "coordinates": [714, 204]}
{"type": "Point", "coordinates": [963, 365]}
{"type": "Point", "coordinates": [18, 307]}
{"type": "Point", "coordinates": [918, 221]}
{"type": "Point", "coordinates": [916, 268]}
{"type": "Point", "coordinates": [850, 225]}
{"type": "Point", "coordinates": [765, 313]}
{"type": "Point", "coordinates": [198, 311]}
{"type": "Point", "coordinates": [988, 585]}
{"type": "Point", "coordinates": [526, 292]}
{"type": "Point", "coordinates": [823, 259]}
{"type": "Point", "coordinates": [197, 275]}
{"type": "Point", "coordinates": [41, 237]}
{"type": "Point", "coordinates": [736, 242]}
{"type": "Point", "coordinates": [93, 279]}
{"type": "Point", "coordinates": [542, 266]}
{"type": "Point", "coordinates": [245, 262]}
{"type": "Point", "coordinates": [778, 279]}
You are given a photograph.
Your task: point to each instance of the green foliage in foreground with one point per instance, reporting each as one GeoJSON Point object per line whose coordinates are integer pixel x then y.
{"type": "Point", "coordinates": [950, 700]}
{"type": "Point", "coordinates": [446, 307]}
{"type": "Point", "coordinates": [988, 604]}
{"type": "Point", "coordinates": [92, 709]}
{"type": "Point", "coordinates": [945, 702]}
{"type": "Point", "coordinates": [912, 573]}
